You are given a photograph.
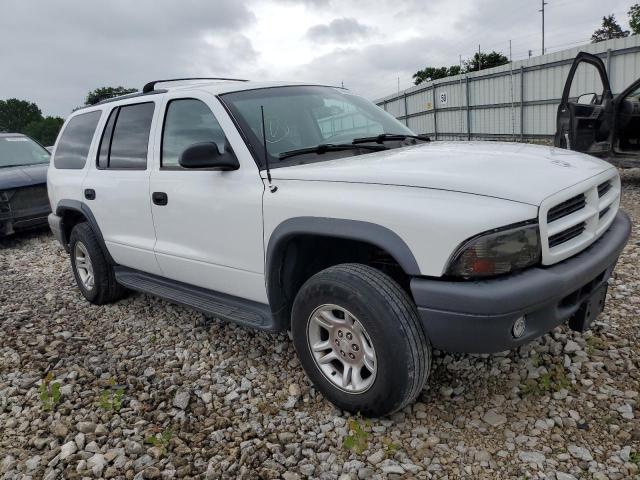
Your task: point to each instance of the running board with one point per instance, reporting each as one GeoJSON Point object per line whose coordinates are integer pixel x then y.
{"type": "Point", "coordinates": [220, 305]}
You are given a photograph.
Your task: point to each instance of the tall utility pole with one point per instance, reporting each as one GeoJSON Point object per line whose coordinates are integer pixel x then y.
{"type": "Point", "coordinates": [542, 10]}
{"type": "Point", "coordinates": [479, 59]}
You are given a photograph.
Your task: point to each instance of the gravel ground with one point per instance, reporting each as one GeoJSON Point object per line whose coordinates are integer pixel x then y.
{"type": "Point", "coordinates": [146, 389]}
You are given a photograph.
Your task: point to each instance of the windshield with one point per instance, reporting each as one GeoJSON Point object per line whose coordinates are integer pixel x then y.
{"type": "Point", "coordinates": [19, 151]}
{"type": "Point", "coordinates": [307, 116]}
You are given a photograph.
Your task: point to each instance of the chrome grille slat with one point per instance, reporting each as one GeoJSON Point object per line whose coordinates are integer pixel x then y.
{"type": "Point", "coordinates": [603, 188]}
{"type": "Point", "coordinates": [566, 235]}
{"type": "Point", "coordinates": [567, 208]}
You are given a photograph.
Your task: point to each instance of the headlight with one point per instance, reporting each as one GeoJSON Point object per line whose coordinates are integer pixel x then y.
{"type": "Point", "coordinates": [497, 252]}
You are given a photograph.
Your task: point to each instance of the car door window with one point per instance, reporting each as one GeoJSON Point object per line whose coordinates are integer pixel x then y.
{"type": "Point", "coordinates": [125, 139]}
{"type": "Point", "coordinates": [188, 121]}
{"type": "Point", "coordinates": [75, 141]}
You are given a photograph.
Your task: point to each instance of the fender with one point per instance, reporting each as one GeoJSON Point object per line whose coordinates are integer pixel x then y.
{"type": "Point", "coordinates": [371, 233]}
{"type": "Point", "coordinates": [83, 208]}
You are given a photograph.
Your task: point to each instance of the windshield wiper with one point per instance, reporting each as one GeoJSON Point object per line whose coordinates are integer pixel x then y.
{"type": "Point", "coordinates": [329, 147]}
{"type": "Point", "coordinates": [385, 137]}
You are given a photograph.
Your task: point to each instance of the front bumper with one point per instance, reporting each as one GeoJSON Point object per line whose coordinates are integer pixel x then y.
{"type": "Point", "coordinates": [478, 316]}
{"type": "Point", "coordinates": [11, 222]}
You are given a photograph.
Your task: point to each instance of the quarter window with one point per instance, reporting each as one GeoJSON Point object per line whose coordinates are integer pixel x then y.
{"type": "Point", "coordinates": [74, 144]}
{"type": "Point", "coordinates": [188, 121]}
{"type": "Point", "coordinates": [125, 139]}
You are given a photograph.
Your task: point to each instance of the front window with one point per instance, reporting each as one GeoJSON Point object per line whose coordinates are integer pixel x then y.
{"type": "Point", "coordinates": [306, 116]}
{"type": "Point", "coordinates": [18, 151]}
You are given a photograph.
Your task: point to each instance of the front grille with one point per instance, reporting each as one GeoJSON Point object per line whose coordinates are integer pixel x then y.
{"type": "Point", "coordinates": [566, 208]}
{"type": "Point", "coordinates": [573, 219]}
{"type": "Point", "coordinates": [566, 235]}
{"type": "Point", "coordinates": [603, 188]}
{"type": "Point", "coordinates": [29, 197]}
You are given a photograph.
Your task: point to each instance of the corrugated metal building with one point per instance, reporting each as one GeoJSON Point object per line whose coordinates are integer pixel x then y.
{"type": "Point", "coordinates": [517, 101]}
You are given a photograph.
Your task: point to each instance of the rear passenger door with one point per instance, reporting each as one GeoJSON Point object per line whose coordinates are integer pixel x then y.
{"type": "Point", "coordinates": [116, 187]}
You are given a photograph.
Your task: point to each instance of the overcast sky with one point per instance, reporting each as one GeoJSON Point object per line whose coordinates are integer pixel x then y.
{"type": "Point", "coordinates": [54, 52]}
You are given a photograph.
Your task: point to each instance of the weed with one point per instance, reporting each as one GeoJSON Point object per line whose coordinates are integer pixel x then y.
{"type": "Point", "coordinates": [553, 381]}
{"type": "Point", "coordinates": [358, 439]}
{"type": "Point", "coordinates": [634, 457]}
{"type": "Point", "coordinates": [160, 440]}
{"type": "Point", "coordinates": [595, 343]}
{"type": "Point", "coordinates": [390, 448]}
{"type": "Point", "coordinates": [49, 393]}
{"type": "Point", "coordinates": [111, 398]}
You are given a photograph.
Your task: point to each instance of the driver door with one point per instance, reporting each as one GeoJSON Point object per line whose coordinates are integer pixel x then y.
{"type": "Point", "coordinates": [586, 111]}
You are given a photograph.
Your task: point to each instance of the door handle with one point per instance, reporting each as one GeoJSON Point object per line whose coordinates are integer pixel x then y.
{"type": "Point", "coordinates": [159, 198]}
{"type": "Point", "coordinates": [89, 194]}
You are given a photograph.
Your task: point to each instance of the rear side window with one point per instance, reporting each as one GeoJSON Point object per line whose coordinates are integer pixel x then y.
{"type": "Point", "coordinates": [75, 141]}
{"type": "Point", "coordinates": [125, 139]}
{"type": "Point", "coordinates": [188, 121]}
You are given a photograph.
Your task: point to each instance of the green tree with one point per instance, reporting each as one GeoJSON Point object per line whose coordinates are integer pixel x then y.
{"type": "Point", "coordinates": [16, 114]}
{"type": "Point", "coordinates": [44, 130]}
{"type": "Point", "coordinates": [434, 73]}
{"type": "Point", "coordinates": [634, 19]}
{"type": "Point", "coordinates": [103, 93]}
{"type": "Point", "coordinates": [609, 29]}
{"type": "Point", "coordinates": [485, 60]}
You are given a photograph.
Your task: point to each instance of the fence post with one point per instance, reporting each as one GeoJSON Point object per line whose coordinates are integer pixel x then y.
{"type": "Point", "coordinates": [468, 109]}
{"type": "Point", "coordinates": [435, 112]}
{"type": "Point", "coordinates": [521, 103]}
{"type": "Point", "coordinates": [406, 117]}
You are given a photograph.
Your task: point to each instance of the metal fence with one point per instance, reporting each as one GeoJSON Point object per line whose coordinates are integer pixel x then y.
{"type": "Point", "coordinates": [517, 101]}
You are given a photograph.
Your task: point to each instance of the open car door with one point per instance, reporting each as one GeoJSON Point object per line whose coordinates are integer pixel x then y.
{"type": "Point", "coordinates": [585, 123]}
{"type": "Point", "coordinates": [598, 123]}
{"type": "Point", "coordinates": [625, 134]}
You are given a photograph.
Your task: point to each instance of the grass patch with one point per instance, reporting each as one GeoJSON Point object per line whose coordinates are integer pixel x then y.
{"type": "Point", "coordinates": [160, 440]}
{"type": "Point", "coordinates": [49, 393]}
{"type": "Point", "coordinates": [553, 381]}
{"type": "Point", "coordinates": [111, 398]}
{"type": "Point", "coordinates": [358, 438]}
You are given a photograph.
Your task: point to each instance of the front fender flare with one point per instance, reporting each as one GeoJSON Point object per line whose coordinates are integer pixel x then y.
{"type": "Point", "coordinates": [368, 232]}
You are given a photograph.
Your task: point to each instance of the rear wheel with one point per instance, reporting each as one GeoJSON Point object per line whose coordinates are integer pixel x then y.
{"type": "Point", "coordinates": [93, 273]}
{"type": "Point", "coordinates": [359, 339]}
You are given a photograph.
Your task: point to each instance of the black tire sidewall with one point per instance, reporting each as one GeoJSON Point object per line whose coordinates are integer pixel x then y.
{"type": "Point", "coordinates": [387, 335]}
{"type": "Point", "coordinates": [80, 234]}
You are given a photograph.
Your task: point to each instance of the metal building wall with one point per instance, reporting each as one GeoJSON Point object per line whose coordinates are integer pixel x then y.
{"type": "Point", "coordinates": [514, 102]}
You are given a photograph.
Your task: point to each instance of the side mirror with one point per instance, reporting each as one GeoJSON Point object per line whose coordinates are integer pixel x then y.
{"type": "Point", "coordinates": [207, 155]}
{"type": "Point", "coordinates": [587, 99]}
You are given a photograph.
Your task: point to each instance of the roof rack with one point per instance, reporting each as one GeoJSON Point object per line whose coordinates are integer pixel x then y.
{"type": "Point", "coordinates": [150, 86]}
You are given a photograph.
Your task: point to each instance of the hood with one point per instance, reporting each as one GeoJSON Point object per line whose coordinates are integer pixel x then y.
{"type": "Point", "coordinates": [514, 171]}
{"type": "Point", "coordinates": [22, 176]}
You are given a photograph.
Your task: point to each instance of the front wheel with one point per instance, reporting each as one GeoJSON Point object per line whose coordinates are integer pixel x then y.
{"type": "Point", "coordinates": [359, 339]}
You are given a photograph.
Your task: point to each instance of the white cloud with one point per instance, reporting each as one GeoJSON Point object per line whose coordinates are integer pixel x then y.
{"type": "Point", "coordinates": [55, 52]}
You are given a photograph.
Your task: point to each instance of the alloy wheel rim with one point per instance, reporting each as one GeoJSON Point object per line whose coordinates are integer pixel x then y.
{"type": "Point", "coordinates": [84, 267]}
{"type": "Point", "coordinates": [342, 348]}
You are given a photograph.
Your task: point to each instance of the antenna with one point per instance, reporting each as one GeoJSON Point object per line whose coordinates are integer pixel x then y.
{"type": "Point", "coordinates": [266, 153]}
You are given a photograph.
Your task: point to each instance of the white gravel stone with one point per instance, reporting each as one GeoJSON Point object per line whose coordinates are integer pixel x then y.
{"type": "Point", "coordinates": [67, 450]}
{"type": "Point", "coordinates": [494, 418]}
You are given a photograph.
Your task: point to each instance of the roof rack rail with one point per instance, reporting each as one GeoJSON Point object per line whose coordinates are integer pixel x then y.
{"type": "Point", "coordinates": [150, 86]}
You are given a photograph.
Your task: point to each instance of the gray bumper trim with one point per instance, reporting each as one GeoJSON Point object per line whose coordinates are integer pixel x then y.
{"type": "Point", "coordinates": [478, 316]}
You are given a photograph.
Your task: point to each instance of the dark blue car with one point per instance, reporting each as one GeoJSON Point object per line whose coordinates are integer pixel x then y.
{"type": "Point", "coordinates": [23, 183]}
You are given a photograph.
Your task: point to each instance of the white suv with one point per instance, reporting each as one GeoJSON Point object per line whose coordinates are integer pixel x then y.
{"type": "Point", "coordinates": [306, 208]}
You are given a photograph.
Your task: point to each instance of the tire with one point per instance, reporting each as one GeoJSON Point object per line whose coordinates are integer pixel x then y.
{"type": "Point", "coordinates": [393, 337]}
{"type": "Point", "coordinates": [104, 288]}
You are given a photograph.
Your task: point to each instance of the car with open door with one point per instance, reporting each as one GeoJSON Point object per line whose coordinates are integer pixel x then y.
{"type": "Point", "coordinates": [592, 120]}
